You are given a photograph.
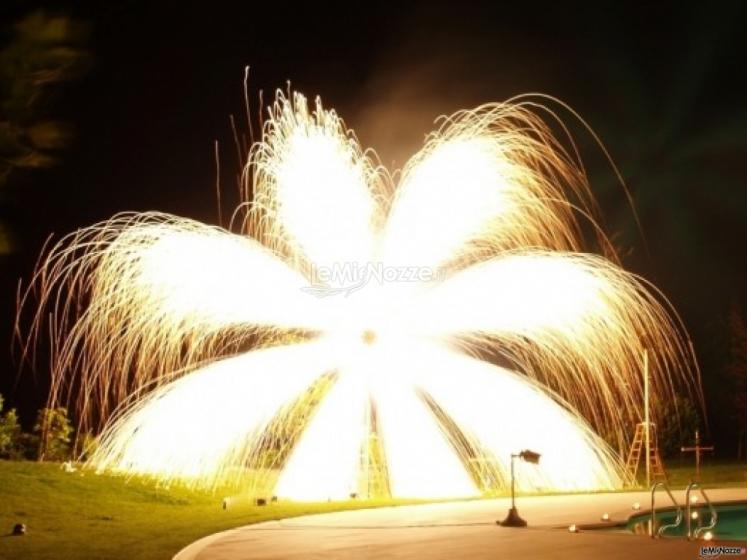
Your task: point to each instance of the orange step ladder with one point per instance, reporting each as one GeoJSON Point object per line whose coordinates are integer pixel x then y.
{"type": "Point", "coordinates": [637, 449]}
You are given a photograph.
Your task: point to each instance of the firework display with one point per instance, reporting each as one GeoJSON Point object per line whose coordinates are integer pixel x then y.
{"type": "Point", "coordinates": [357, 332]}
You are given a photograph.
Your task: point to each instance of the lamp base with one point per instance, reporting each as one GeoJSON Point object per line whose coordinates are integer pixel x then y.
{"type": "Point", "coordinates": [512, 519]}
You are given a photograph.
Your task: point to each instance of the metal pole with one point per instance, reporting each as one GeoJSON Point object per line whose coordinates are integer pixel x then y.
{"type": "Point", "coordinates": [697, 455]}
{"type": "Point", "coordinates": [646, 418]}
{"type": "Point", "coordinates": [513, 505]}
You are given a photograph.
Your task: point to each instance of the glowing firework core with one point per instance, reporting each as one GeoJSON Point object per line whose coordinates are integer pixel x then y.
{"type": "Point", "coordinates": [479, 328]}
{"type": "Point", "coordinates": [369, 337]}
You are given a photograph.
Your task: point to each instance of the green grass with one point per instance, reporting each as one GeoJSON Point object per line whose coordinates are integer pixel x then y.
{"type": "Point", "coordinates": [712, 473]}
{"type": "Point", "coordinates": [77, 516]}
{"type": "Point", "coordinates": [81, 515]}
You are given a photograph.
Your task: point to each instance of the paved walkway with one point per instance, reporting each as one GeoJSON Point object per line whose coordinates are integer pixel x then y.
{"type": "Point", "coordinates": [463, 530]}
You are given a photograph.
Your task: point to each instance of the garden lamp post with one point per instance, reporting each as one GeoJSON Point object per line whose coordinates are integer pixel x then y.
{"type": "Point", "coordinates": [513, 519]}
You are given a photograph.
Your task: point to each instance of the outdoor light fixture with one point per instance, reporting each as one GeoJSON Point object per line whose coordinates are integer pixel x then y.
{"type": "Point", "coordinates": [513, 519]}
{"type": "Point", "coordinates": [605, 517]}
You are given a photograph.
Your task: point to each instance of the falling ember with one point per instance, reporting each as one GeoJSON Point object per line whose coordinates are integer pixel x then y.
{"type": "Point", "coordinates": [478, 327]}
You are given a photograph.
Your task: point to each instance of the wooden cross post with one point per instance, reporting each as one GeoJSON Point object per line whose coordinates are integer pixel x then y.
{"type": "Point", "coordinates": [697, 449]}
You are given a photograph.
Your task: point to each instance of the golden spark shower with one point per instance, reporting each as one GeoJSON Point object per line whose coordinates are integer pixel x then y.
{"type": "Point", "coordinates": [361, 332]}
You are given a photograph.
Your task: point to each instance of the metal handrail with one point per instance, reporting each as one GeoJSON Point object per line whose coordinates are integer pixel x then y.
{"type": "Point", "coordinates": [714, 514]}
{"type": "Point", "coordinates": [678, 519]}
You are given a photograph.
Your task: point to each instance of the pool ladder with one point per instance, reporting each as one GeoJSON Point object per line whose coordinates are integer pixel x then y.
{"type": "Point", "coordinates": [652, 531]}
{"type": "Point", "coordinates": [691, 534]}
{"type": "Point", "coordinates": [714, 515]}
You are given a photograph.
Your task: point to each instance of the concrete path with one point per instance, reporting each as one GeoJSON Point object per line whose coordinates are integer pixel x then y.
{"type": "Point", "coordinates": [457, 530]}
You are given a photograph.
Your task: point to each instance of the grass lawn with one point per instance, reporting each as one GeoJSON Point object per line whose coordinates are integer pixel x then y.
{"type": "Point", "coordinates": [77, 516]}
{"type": "Point", "coordinates": [712, 473]}
{"type": "Point", "coordinates": [80, 515]}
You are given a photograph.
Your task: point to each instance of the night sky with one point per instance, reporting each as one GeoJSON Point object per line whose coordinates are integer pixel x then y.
{"type": "Point", "coordinates": [662, 86]}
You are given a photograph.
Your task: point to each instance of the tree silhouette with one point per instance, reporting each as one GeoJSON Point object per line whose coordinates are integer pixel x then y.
{"type": "Point", "coordinates": [43, 52]}
{"type": "Point", "coordinates": [737, 370]}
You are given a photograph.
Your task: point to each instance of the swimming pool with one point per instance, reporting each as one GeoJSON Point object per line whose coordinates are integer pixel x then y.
{"type": "Point", "coordinates": [732, 521]}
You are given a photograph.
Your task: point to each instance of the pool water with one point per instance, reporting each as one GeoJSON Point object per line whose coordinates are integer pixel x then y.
{"type": "Point", "coordinates": [732, 521]}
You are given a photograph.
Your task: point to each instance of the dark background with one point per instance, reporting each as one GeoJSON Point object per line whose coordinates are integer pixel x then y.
{"type": "Point", "coordinates": [662, 86]}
